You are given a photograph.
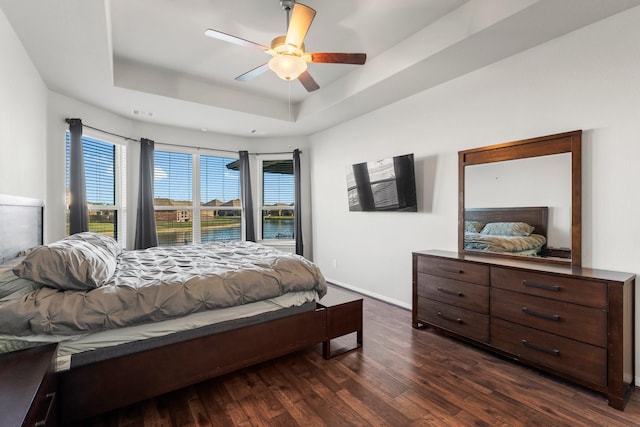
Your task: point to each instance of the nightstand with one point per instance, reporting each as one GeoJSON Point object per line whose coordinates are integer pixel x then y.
{"type": "Point", "coordinates": [28, 387]}
{"type": "Point", "coordinates": [558, 252]}
{"type": "Point", "coordinates": [344, 316]}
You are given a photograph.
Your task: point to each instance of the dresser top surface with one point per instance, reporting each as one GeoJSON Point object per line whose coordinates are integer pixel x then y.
{"type": "Point", "coordinates": [590, 273]}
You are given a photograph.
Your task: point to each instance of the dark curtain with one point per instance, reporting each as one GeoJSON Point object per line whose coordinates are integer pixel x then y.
{"type": "Point", "coordinates": [245, 196]}
{"type": "Point", "coordinates": [146, 235]}
{"type": "Point", "coordinates": [297, 202]}
{"type": "Point", "coordinates": [78, 212]}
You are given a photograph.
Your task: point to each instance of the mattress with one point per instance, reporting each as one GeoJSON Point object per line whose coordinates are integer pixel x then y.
{"type": "Point", "coordinates": [81, 349]}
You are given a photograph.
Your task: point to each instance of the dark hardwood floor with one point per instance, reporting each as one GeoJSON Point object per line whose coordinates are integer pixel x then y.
{"type": "Point", "coordinates": [401, 377]}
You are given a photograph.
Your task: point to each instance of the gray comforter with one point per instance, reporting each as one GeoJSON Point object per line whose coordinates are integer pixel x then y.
{"type": "Point", "coordinates": [504, 244]}
{"type": "Point", "coordinates": [160, 283]}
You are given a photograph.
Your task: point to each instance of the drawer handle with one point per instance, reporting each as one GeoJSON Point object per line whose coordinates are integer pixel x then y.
{"type": "Point", "coordinates": [450, 319]}
{"type": "Point", "coordinates": [555, 317]}
{"type": "Point", "coordinates": [447, 291]}
{"type": "Point", "coordinates": [553, 352]}
{"type": "Point", "coordinates": [451, 270]}
{"type": "Point", "coordinates": [554, 288]}
{"type": "Point", "coordinates": [52, 398]}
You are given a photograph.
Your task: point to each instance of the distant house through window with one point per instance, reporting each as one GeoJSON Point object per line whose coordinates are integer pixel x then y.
{"type": "Point", "coordinates": [105, 176]}
{"type": "Point", "coordinates": [214, 214]}
{"type": "Point", "coordinates": [277, 199]}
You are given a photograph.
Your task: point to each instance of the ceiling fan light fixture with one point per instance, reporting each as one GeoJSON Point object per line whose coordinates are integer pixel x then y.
{"type": "Point", "coordinates": [289, 59]}
{"type": "Point", "coordinates": [287, 67]}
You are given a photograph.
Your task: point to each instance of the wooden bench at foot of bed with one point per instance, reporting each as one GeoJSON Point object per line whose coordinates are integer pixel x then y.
{"type": "Point", "coordinates": [102, 386]}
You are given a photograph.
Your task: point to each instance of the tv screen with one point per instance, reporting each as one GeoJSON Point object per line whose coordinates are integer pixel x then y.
{"type": "Point", "coordinates": [383, 185]}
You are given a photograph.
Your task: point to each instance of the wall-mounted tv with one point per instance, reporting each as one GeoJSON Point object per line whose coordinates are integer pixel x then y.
{"type": "Point", "coordinates": [383, 185]}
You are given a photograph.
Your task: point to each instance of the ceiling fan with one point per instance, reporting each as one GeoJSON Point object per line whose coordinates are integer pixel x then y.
{"type": "Point", "coordinates": [289, 59]}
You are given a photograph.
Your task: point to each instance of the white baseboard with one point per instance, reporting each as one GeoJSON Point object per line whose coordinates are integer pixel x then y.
{"type": "Point", "coordinates": [386, 299]}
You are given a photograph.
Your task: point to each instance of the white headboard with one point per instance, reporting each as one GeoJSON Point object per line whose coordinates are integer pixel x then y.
{"type": "Point", "coordinates": [21, 225]}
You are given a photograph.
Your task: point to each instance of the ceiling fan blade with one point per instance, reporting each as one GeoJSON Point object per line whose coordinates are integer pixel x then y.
{"type": "Point", "coordinates": [338, 58]}
{"type": "Point", "coordinates": [299, 24]}
{"type": "Point", "coordinates": [233, 39]}
{"type": "Point", "coordinates": [253, 73]}
{"type": "Point", "coordinates": [307, 81]}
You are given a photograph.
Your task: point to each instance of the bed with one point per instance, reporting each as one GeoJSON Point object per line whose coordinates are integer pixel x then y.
{"type": "Point", "coordinates": [110, 356]}
{"type": "Point", "coordinates": [513, 231]}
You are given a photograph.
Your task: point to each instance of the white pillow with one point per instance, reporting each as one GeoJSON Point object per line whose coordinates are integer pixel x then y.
{"type": "Point", "coordinates": [508, 229]}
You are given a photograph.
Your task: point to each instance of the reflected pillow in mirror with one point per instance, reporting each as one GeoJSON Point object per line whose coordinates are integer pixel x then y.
{"type": "Point", "coordinates": [507, 229]}
{"type": "Point", "coordinates": [473, 226]}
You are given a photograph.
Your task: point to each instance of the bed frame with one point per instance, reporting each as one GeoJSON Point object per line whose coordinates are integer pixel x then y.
{"type": "Point", "coordinates": [99, 387]}
{"type": "Point", "coordinates": [535, 216]}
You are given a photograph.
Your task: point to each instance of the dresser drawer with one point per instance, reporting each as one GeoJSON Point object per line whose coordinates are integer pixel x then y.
{"type": "Point", "coordinates": [575, 358]}
{"type": "Point", "coordinates": [454, 292]}
{"type": "Point", "coordinates": [579, 291]}
{"type": "Point", "coordinates": [463, 322]}
{"type": "Point", "coordinates": [569, 320]}
{"type": "Point", "coordinates": [452, 269]}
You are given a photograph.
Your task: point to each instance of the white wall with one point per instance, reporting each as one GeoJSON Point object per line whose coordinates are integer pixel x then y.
{"type": "Point", "coordinates": [585, 80]}
{"type": "Point", "coordinates": [23, 119]}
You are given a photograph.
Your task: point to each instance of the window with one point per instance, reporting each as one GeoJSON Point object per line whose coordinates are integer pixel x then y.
{"type": "Point", "coordinates": [173, 197]}
{"type": "Point", "coordinates": [277, 199]}
{"type": "Point", "coordinates": [105, 169]}
{"type": "Point", "coordinates": [215, 214]}
{"type": "Point", "coordinates": [220, 207]}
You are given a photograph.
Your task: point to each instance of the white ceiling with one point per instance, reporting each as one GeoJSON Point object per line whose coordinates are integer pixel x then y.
{"type": "Point", "coordinates": [152, 55]}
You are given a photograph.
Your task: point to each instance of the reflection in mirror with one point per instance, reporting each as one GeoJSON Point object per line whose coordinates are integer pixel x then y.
{"type": "Point", "coordinates": [537, 181]}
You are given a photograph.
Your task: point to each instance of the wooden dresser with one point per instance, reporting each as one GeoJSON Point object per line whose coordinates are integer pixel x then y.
{"type": "Point", "coordinates": [577, 323]}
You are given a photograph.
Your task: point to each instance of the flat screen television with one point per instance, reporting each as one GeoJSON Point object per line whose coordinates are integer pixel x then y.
{"type": "Point", "coordinates": [383, 185]}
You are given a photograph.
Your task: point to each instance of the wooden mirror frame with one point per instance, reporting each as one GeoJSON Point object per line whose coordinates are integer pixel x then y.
{"type": "Point", "coordinates": [568, 142]}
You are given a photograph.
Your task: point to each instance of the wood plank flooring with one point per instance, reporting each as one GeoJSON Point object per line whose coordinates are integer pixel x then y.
{"type": "Point", "coordinates": [401, 377]}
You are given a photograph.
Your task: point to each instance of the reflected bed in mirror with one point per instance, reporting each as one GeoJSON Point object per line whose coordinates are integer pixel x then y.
{"type": "Point", "coordinates": [500, 183]}
{"type": "Point", "coordinates": [534, 181]}
{"type": "Point", "coordinates": [512, 231]}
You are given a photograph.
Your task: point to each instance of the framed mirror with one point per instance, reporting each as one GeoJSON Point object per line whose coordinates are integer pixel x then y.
{"type": "Point", "coordinates": [523, 199]}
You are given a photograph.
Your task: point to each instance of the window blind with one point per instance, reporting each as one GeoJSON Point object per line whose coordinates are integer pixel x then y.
{"type": "Point", "coordinates": [219, 185]}
{"type": "Point", "coordinates": [173, 179]}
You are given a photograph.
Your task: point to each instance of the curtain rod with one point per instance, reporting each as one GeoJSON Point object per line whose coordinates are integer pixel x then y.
{"type": "Point", "coordinates": [126, 138]}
